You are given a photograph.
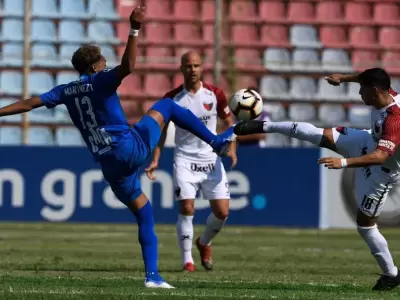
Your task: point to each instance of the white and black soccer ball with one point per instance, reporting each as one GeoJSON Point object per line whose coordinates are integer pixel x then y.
{"type": "Point", "coordinates": [246, 104]}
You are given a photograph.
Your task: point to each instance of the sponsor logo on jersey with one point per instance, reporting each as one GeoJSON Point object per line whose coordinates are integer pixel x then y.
{"type": "Point", "coordinates": [386, 144]}
{"type": "Point", "coordinates": [208, 106]}
{"type": "Point", "coordinates": [202, 168]}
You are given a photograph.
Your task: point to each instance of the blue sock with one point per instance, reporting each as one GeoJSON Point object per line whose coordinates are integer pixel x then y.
{"type": "Point", "coordinates": [183, 118]}
{"type": "Point", "coordinates": [147, 238]}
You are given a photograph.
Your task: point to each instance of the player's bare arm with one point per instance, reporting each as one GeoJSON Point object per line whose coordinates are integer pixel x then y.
{"type": "Point", "coordinates": [157, 154]}
{"type": "Point", "coordinates": [128, 60]}
{"type": "Point", "coordinates": [377, 157]}
{"type": "Point", "coordinates": [21, 106]}
{"type": "Point", "coordinates": [337, 79]}
{"type": "Point", "coordinates": [226, 123]}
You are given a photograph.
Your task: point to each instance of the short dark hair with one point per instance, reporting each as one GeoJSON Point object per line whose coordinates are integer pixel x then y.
{"type": "Point", "coordinates": [84, 57]}
{"type": "Point", "coordinates": [375, 77]}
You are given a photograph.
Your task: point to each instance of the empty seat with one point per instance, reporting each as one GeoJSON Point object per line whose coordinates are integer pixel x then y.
{"type": "Point", "coordinates": [305, 60]}
{"type": "Point", "coordinates": [61, 115]}
{"type": "Point", "coordinates": [304, 36]}
{"type": "Point", "coordinates": [362, 36]}
{"type": "Point", "coordinates": [276, 111]}
{"type": "Point", "coordinates": [242, 10]}
{"type": "Point", "coordinates": [157, 32]}
{"type": "Point", "coordinates": [40, 82]}
{"type": "Point", "coordinates": [156, 84]}
{"type": "Point", "coordinates": [274, 36]}
{"type": "Point", "coordinates": [300, 11]}
{"type": "Point", "coordinates": [362, 60]}
{"type": "Point", "coordinates": [303, 88]}
{"type": "Point", "coordinates": [357, 11]}
{"type": "Point", "coordinates": [395, 82]}
{"type": "Point", "coordinates": [244, 34]}
{"type": "Point", "coordinates": [102, 32]}
{"type": "Point", "coordinates": [130, 86]}
{"type": "Point", "coordinates": [360, 116]}
{"type": "Point", "coordinates": [74, 9]}
{"type": "Point", "coordinates": [159, 57]}
{"type": "Point", "coordinates": [332, 114]}
{"type": "Point", "coordinates": [246, 81]}
{"type": "Point", "coordinates": [109, 53]}
{"type": "Point", "coordinates": [44, 55]}
{"type": "Point", "coordinates": [132, 109]}
{"type": "Point", "coordinates": [328, 11]}
{"type": "Point", "coordinates": [274, 87]}
{"type": "Point", "coordinates": [187, 33]}
{"type": "Point", "coordinates": [69, 136]}
{"type": "Point", "coordinates": [65, 77]}
{"type": "Point", "coordinates": [66, 52]}
{"type": "Point", "coordinates": [272, 10]}
{"type": "Point", "coordinates": [102, 9]}
{"type": "Point", "coordinates": [336, 60]}
{"type": "Point", "coordinates": [330, 92]}
{"type": "Point", "coordinates": [190, 7]}
{"type": "Point", "coordinates": [43, 31]}
{"type": "Point", "coordinates": [11, 82]}
{"type": "Point", "coordinates": [71, 31]}
{"type": "Point", "coordinates": [12, 30]}
{"type": "Point", "coordinates": [248, 59]}
{"type": "Point", "coordinates": [353, 90]}
{"type": "Point", "coordinates": [384, 12]}
{"type": "Point", "coordinates": [13, 8]}
{"type": "Point", "coordinates": [277, 59]}
{"type": "Point", "coordinates": [391, 62]}
{"type": "Point", "coordinates": [12, 118]}
{"type": "Point", "coordinates": [302, 112]}
{"type": "Point", "coordinates": [389, 36]}
{"type": "Point", "coordinates": [333, 36]}
{"type": "Point", "coordinates": [41, 115]}
{"type": "Point", "coordinates": [44, 8]}
{"type": "Point", "coordinates": [40, 136]}
{"type": "Point", "coordinates": [157, 9]}
{"type": "Point", "coordinates": [13, 54]}
{"type": "Point", "coordinates": [10, 135]}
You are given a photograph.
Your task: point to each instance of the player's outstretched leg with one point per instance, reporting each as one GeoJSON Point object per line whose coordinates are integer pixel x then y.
{"type": "Point", "coordinates": [185, 119]}
{"type": "Point", "coordinates": [299, 130]}
{"type": "Point", "coordinates": [148, 242]}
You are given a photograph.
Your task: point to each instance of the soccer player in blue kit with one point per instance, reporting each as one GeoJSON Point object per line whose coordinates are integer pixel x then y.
{"type": "Point", "coordinates": [95, 109]}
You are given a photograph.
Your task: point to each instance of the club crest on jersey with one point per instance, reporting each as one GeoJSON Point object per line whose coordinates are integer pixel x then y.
{"type": "Point", "coordinates": [208, 106]}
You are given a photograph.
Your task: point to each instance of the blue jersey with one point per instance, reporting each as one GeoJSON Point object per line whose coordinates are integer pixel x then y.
{"type": "Point", "coordinates": [94, 107]}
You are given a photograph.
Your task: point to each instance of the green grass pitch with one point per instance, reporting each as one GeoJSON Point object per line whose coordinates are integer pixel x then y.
{"type": "Point", "coordinates": [91, 261]}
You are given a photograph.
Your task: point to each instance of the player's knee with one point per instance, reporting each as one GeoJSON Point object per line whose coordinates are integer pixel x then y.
{"type": "Point", "coordinates": [222, 214]}
{"type": "Point", "coordinates": [365, 221]}
{"type": "Point", "coordinates": [186, 207]}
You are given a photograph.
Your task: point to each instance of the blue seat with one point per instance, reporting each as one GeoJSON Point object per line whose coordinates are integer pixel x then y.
{"type": "Point", "coordinates": [40, 82]}
{"type": "Point", "coordinates": [43, 31]}
{"type": "Point", "coordinates": [44, 8]}
{"type": "Point", "coordinates": [304, 36]}
{"type": "Point", "coordinates": [41, 115]}
{"type": "Point", "coordinates": [303, 88]}
{"type": "Point", "coordinates": [360, 116]}
{"type": "Point", "coordinates": [61, 114]}
{"type": "Point", "coordinates": [306, 60]}
{"type": "Point", "coordinates": [274, 87]}
{"type": "Point", "coordinates": [13, 8]}
{"type": "Point", "coordinates": [69, 136]}
{"type": "Point", "coordinates": [12, 118]}
{"type": "Point", "coordinates": [10, 135]}
{"type": "Point", "coordinates": [277, 59]}
{"type": "Point", "coordinates": [64, 77]}
{"type": "Point", "coordinates": [44, 55]}
{"type": "Point", "coordinates": [103, 9]}
{"type": "Point", "coordinates": [66, 51]}
{"type": "Point", "coordinates": [40, 136]}
{"type": "Point", "coordinates": [12, 30]}
{"type": "Point", "coordinates": [11, 83]}
{"type": "Point", "coordinates": [72, 31]}
{"type": "Point", "coordinates": [102, 32]}
{"type": "Point", "coordinates": [75, 8]}
{"type": "Point", "coordinates": [109, 53]}
{"type": "Point", "coordinates": [13, 54]}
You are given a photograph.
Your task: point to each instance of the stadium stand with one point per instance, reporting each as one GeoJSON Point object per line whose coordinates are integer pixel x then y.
{"type": "Point", "coordinates": [282, 47]}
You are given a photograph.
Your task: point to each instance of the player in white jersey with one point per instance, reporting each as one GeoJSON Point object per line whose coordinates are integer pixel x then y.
{"type": "Point", "coordinates": [196, 166]}
{"type": "Point", "coordinates": [375, 153]}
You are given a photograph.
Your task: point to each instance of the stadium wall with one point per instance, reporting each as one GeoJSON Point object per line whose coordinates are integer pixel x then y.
{"type": "Point", "coordinates": [273, 187]}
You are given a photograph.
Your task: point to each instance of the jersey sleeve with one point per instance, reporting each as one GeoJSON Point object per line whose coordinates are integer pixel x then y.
{"type": "Point", "coordinates": [223, 110]}
{"type": "Point", "coordinates": [390, 138]}
{"type": "Point", "coordinates": [53, 97]}
{"type": "Point", "coordinates": [107, 79]}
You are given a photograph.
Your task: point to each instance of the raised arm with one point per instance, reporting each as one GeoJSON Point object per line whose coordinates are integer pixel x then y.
{"type": "Point", "coordinates": [337, 79]}
{"type": "Point", "coordinates": [21, 106]}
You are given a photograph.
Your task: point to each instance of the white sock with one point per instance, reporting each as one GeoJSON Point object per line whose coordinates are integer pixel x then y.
{"type": "Point", "coordinates": [214, 225]}
{"type": "Point", "coordinates": [184, 232]}
{"type": "Point", "coordinates": [299, 130]}
{"type": "Point", "coordinates": [379, 249]}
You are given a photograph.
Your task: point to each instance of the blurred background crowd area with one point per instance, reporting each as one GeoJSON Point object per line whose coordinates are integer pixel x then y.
{"type": "Point", "coordinates": [281, 48]}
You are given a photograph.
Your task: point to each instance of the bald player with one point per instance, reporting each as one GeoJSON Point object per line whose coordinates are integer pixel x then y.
{"type": "Point", "coordinates": [196, 166]}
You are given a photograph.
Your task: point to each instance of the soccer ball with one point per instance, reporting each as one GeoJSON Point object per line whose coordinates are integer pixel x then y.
{"type": "Point", "coordinates": [246, 104]}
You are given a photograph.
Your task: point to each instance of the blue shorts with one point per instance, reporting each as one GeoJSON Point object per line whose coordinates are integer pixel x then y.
{"type": "Point", "coordinates": [120, 166]}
